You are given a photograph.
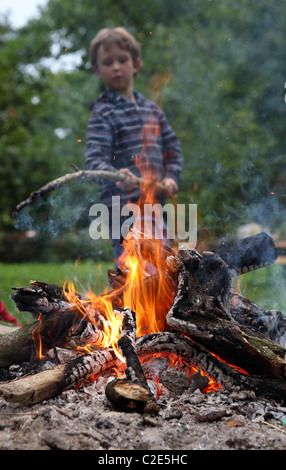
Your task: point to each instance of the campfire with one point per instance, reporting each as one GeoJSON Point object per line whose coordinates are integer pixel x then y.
{"type": "Point", "coordinates": [167, 313]}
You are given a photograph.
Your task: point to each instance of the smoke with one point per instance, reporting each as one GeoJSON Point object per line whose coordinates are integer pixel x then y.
{"type": "Point", "coordinates": [57, 213]}
{"type": "Point", "coordinates": [60, 223]}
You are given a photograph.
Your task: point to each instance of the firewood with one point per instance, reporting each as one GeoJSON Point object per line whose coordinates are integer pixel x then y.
{"type": "Point", "coordinates": [122, 393]}
{"type": "Point", "coordinates": [49, 383]}
{"type": "Point", "coordinates": [60, 323]}
{"type": "Point", "coordinates": [42, 298]}
{"type": "Point", "coordinates": [52, 330]}
{"type": "Point", "coordinates": [201, 310]}
{"type": "Point", "coordinates": [135, 388]}
{"type": "Point", "coordinates": [205, 308]}
{"type": "Point", "coordinates": [17, 346]}
{"type": "Point", "coordinates": [194, 354]}
{"type": "Point", "coordinates": [270, 323]}
{"type": "Point", "coordinates": [249, 253]}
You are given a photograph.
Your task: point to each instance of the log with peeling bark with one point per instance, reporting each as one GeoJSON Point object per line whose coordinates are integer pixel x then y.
{"type": "Point", "coordinates": [49, 383]}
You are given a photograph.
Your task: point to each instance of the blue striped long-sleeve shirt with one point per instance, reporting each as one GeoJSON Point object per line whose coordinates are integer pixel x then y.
{"type": "Point", "coordinates": [137, 136]}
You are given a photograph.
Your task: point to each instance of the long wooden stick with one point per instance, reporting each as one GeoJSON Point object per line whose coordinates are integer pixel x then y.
{"type": "Point", "coordinates": [77, 175]}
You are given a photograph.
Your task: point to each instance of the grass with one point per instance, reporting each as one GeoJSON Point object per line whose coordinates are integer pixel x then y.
{"type": "Point", "coordinates": [82, 274]}
{"type": "Point", "coordinates": [266, 287]}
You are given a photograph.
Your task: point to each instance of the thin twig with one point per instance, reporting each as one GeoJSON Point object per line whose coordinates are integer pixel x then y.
{"type": "Point", "coordinates": [58, 182]}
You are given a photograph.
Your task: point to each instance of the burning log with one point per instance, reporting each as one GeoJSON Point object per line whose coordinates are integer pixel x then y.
{"type": "Point", "coordinates": [201, 310]}
{"type": "Point", "coordinates": [49, 383]}
{"type": "Point", "coordinates": [60, 323]}
{"type": "Point", "coordinates": [135, 389]}
{"type": "Point", "coordinates": [196, 356]}
{"type": "Point", "coordinates": [52, 330]}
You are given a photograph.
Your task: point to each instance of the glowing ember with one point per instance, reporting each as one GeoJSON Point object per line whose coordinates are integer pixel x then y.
{"type": "Point", "coordinates": [177, 362]}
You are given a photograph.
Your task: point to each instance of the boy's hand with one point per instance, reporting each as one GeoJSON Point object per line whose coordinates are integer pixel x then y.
{"type": "Point", "coordinates": [129, 181]}
{"type": "Point", "coordinates": [170, 187]}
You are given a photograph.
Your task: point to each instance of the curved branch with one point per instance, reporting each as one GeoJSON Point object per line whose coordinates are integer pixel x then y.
{"type": "Point", "coordinates": [79, 175]}
{"type": "Point", "coordinates": [58, 182]}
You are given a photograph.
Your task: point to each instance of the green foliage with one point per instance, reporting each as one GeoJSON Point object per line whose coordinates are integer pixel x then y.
{"type": "Point", "coordinates": [217, 70]}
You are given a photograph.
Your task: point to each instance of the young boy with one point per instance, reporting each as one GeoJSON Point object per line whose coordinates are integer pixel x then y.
{"type": "Point", "coordinates": [126, 132]}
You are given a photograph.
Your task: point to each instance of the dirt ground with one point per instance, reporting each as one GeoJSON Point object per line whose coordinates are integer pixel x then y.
{"type": "Point", "coordinates": [83, 419]}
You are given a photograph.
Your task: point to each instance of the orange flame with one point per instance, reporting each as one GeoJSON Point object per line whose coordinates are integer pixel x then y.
{"type": "Point", "coordinates": [148, 289]}
{"type": "Point", "coordinates": [99, 311]}
{"type": "Point", "coordinates": [36, 335]}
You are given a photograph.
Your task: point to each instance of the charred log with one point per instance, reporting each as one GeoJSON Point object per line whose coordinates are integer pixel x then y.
{"type": "Point", "coordinates": [61, 323]}
{"type": "Point", "coordinates": [40, 297]}
{"type": "Point", "coordinates": [249, 253]}
{"type": "Point", "coordinates": [19, 345]}
{"type": "Point", "coordinates": [52, 382]}
{"type": "Point", "coordinates": [201, 310]}
{"type": "Point", "coordinates": [270, 323]}
{"type": "Point", "coordinates": [224, 374]}
{"type": "Point", "coordinates": [135, 388]}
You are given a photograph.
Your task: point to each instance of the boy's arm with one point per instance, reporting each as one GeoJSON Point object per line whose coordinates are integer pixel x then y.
{"type": "Point", "coordinates": [173, 158]}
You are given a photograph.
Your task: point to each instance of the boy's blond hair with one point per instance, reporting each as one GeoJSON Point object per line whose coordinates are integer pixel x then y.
{"type": "Point", "coordinates": [108, 36]}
